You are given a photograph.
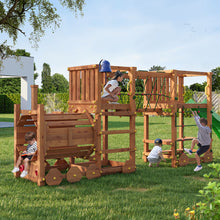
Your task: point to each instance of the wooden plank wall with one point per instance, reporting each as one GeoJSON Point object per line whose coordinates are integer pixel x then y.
{"type": "Point", "coordinates": [157, 85]}
{"type": "Point", "coordinates": [83, 85]}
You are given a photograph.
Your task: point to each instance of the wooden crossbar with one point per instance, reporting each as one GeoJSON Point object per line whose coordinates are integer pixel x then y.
{"type": "Point", "coordinates": [118, 132]}
{"type": "Point", "coordinates": [118, 113]}
{"type": "Point", "coordinates": [144, 74]}
{"type": "Point", "coordinates": [67, 123]}
{"type": "Point", "coordinates": [118, 150]}
{"type": "Point", "coordinates": [115, 106]}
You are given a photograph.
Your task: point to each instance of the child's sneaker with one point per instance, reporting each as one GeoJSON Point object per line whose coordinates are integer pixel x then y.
{"type": "Point", "coordinates": [23, 174]}
{"type": "Point", "coordinates": [188, 151]}
{"type": "Point", "coordinates": [15, 170]}
{"type": "Point", "coordinates": [198, 168]}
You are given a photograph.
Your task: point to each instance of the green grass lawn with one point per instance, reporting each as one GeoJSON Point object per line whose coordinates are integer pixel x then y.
{"type": "Point", "coordinates": [148, 194]}
{"type": "Point", "coordinates": [7, 117]}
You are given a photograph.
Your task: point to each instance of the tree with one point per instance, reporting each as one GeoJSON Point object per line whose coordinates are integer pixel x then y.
{"type": "Point", "coordinates": [198, 87]}
{"type": "Point", "coordinates": [156, 68]}
{"type": "Point", "coordinates": [11, 85]}
{"type": "Point", "coordinates": [38, 14]}
{"type": "Point", "coordinates": [216, 79]}
{"type": "Point", "coordinates": [35, 74]}
{"type": "Point", "coordinates": [46, 80]}
{"type": "Point", "coordinates": [139, 83]}
{"type": "Point", "coordinates": [60, 83]}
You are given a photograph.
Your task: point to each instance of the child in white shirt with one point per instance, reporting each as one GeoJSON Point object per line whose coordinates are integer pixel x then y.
{"type": "Point", "coordinates": [156, 155]}
{"type": "Point", "coordinates": [30, 138]}
{"type": "Point", "coordinates": [112, 88]}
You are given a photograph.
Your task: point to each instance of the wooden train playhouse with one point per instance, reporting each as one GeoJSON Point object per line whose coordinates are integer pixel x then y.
{"type": "Point", "coordinates": [82, 134]}
{"type": "Point", "coordinates": [78, 133]}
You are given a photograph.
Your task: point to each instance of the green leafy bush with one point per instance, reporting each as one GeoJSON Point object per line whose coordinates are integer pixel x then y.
{"type": "Point", "coordinates": [209, 207]}
{"type": "Point", "coordinates": [7, 101]}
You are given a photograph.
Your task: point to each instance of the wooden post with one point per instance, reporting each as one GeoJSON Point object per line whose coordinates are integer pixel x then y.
{"type": "Point", "coordinates": [131, 74]}
{"type": "Point", "coordinates": [98, 78]}
{"type": "Point", "coordinates": [173, 122]}
{"type": "Point", "coordinates": [209, 101]}
{"type": "Point", "coordinates": [146, 135]}
{"type": "Point", "coordinates": [41, 135]}
{"type": "Point", "coordinates": [17, 112]}
{"type": "Point", "coordinates": [181, 92]}
{"type": "Point", "coordinates": [71, 85]}
{"type": "Point", "coordinates": [209, 98]}
{"type": "Point", "coordinates": [105, 139]}
{"type": "Point", "coordinates": [34, 99]}
{"type": "Point", "coordinates": [181, 115]}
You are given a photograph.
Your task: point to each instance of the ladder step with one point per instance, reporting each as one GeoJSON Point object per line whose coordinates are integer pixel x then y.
{"type": "Point", "coordinates": [108, 151]}
{"type": "Point", "coordinates": [118, 113]}
{"type": "Point", "coordinates": [118, 132]}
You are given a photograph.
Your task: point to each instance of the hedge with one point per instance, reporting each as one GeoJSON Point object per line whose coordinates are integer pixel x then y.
{"type": "Point", "coordinates": [7, 101]}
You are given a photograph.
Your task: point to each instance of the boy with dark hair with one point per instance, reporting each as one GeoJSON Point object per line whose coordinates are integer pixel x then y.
{"type": "Point", "coordinates": [203, 140]}
{"type": "Point", "coordinates": [30, 138]}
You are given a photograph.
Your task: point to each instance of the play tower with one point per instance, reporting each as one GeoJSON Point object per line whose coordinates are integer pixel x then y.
{"type": "Point", "coordinates": [164, 95]}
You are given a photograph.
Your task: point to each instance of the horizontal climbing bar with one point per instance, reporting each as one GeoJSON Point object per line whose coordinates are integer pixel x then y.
{"type": "Point", "coordinates": [118, 113]}
{"type": "Point", "coordinates": [186, 125]}
{"type": "Point", "coordinates": [152, 94]}
{"type": "Point", "coordinates": [118, 150]}
{"type": "Point", "coordinates": [117, 132]}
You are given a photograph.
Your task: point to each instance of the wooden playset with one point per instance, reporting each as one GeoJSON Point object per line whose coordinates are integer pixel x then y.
{"type": "Point", "coordinates": [165, 91]}
{"type": "Point", "coordinates": [82, 133]}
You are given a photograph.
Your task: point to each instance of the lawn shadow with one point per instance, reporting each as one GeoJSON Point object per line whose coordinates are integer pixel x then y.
{"type": "Point", "coordinates": [6, 132]}
{"type": "Point", "coordinates": [6, 119]}
{"type": "Point", "coordinates": [116, 124]}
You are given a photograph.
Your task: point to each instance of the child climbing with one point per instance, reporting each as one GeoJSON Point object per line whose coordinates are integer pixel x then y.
{"type": "Point", "coordinates": [156, 155]}
{"type": "Point", "coordinates": [30, 138]}
{"type": "Point", "coordinates": [203, 139]}
{"type": "Point", "coordinates": [112, 88]}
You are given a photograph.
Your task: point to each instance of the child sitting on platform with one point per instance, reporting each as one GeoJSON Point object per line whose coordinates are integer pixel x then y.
{"type": "Point", "coordinates": [30, 138]}
{"type": "Point", "coordinates": [156, 155]}
{"type": "Point", "coordinates": [203, 140]}
{"type": "Point", "coordinates": [112, 88]}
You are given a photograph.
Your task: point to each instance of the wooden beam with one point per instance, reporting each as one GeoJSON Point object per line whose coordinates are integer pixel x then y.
{"type": "Point", "coordinates": [192, 105]}
{"type": "Point", "coordinates": [34, 98]}
{"type": "Point", "coordinates": [115, 106]}
{"type": "Point", "coordinates": [118, 113]}
{"type": "Point", "coordinates": [190, 73]}
{"type": "Point", "coordinates": [144, 75]}
{"type": "Point", "coordinates": [92, 66]}
{"type": "Point", "coordinates": [118, 132]}
{"type": "Point", "coordinates": [118, 150]}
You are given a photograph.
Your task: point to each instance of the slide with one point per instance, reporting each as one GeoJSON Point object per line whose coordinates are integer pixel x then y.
{"type": "Point", "coordinates": [202, 112]}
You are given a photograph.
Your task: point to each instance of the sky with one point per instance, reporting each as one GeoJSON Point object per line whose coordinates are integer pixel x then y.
{"type": "Point", "coordinates": [176, 34]}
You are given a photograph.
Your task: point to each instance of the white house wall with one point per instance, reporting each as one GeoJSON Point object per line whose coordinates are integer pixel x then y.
{"type": "Point", "coordinates": [21, 67]}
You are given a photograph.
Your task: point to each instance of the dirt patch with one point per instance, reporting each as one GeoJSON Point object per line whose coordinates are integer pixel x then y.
{"type": "Point", "coordinates": [131, 189]}
{"type": "Point", "coordinates": [198, 178]}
